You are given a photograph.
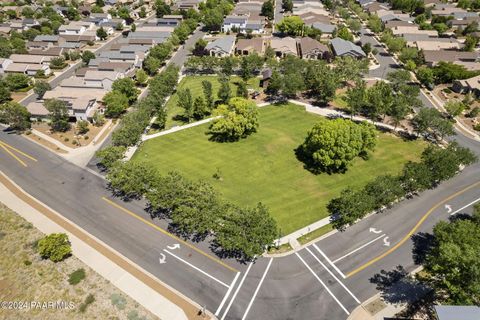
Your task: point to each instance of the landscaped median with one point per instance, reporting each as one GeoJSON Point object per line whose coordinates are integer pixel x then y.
{"type": "Point", "coordinates": [264, 167]}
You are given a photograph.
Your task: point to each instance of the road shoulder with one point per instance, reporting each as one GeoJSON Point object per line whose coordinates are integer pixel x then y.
{"type": "Point", "coordinates": [160, 299]}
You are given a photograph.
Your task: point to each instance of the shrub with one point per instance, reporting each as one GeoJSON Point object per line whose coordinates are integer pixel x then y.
{"type": "Point", "coordinates": [118, 301]}
{"type": "Point", "coordinates": [88, 300]}
{"type": "Point", "coordinates": [76, 276]}
{"type": "Point", "coordinates": [55, 247]}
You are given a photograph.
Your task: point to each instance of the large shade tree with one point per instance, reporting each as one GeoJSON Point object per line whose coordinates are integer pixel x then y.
{"type": "Point", "coordinates": [237, 119]}
{"type": "Point", "coordinates": [331, 145]}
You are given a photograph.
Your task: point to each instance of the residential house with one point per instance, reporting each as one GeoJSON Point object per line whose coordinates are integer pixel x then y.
{"type": "Point", "coordinates": [168, 20]}
{"type": "Point", "coordinates": [221, 47]}
{"type": "Point", "coordinates": [457, 312]}
{"type": "Point", "coordinates": [397, 23]}
{"type": "Point", "coordinates": [37, 110]}
{"type": "Point", "coordinates": [26, 68]}
{"type": "Point", "coordinates": [116, 56]}
{"type": "Point", "coordinates": [4, 64]}
{"type": "Point", "coordinates": [446, 10]}
{"type": "Point", "coordinates": [284, 46]}
{"type": "Point", "coordinates": [81, 102]}
{"type": "Point", "coordinates": [344, 48]}
{"type": "Point", "coordinates": [186, 4]}
{"type": "Point", "coordinates": [50, 52]}
{"type": "Point", "coordinates": [471, 85]}
{"type": "Point", "coordinates": [73, 29]}
{"type": "Point", "coordinates": [312, 49]}
{"type": "Point", "coordinates": [374, 7]}
{"type": "Point", "coordinates": [53, 39]}
{"type": "Point", "coordinates": [327, 29]}
{"type": "Point", "coordinates": [30, 59]}
{"type": "Point", "coordinates": [403, 30]}
{"type": "Point", "coordinates": [248, 46]}
{"type": "Point", "coordinates": [432, 58]}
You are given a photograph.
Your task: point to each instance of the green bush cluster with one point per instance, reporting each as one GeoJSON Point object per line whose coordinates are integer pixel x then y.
{"type": "Point", "coordinates": [196, 209]}
{"type": "Point", "coordinates": [133, 124]}
{"type": "Point", "coordinates": [436, 165]}
{"type": "Point", "coordinates": [76, 276]}
{"type": "Point", "coordinates": [55, 247]}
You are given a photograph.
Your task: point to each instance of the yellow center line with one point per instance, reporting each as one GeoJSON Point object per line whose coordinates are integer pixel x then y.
{"type": "Point", "coordinates": [412, 231]}
{"type": "Point", "coordinates": [13, 155]}
{"type": "Point", "coordinates": [169, 234]}
{"type": "Point", "coordinates": [15, 149]}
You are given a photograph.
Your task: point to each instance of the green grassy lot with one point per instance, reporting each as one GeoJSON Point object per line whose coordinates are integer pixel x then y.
{"type": "Point", "coordinates": [263, 167]}
{"type": "Point", "coordinates": [194, 83]}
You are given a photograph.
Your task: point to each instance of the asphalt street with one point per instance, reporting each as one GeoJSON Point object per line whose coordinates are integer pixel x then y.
{"type": "Point", "coordinates": [326, 280]}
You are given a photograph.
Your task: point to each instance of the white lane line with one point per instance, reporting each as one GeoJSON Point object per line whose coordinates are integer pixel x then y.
{"type": "Point", "coordinates": [196, 268]}
{"type": "Point", "coordinates": [468, 205]}
{"type": "Point", "coordinates": [227, 294]}
{"type": "Point", "coordinates": [256, 290]}
{"type": "Point", "coordinates": [236, 291]}
{"type": "Point", "coordinates": [323, 284]}
{"type": "Point", "coordinates": [331, 273]}
{"type": "Point", "coordinates": [329, 261]}
{"type": "Point", "coordinates": [360, 248]}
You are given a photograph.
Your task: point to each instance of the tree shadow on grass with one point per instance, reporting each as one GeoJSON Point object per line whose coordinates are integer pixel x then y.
{"type": "Point", "coordinates": [311, 166]}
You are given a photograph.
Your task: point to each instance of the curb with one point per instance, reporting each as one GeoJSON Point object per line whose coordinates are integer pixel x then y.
{"type": "Point", "coordinates": [188, 306]}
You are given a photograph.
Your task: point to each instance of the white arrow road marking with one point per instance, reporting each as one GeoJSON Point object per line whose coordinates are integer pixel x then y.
{"type": "Point", "coordinates": [173, 247]}
{"type": "Point", "coordinates": [386, 242]}
{"type": "Point", "coordinates": [448, 207]}
{"type": "Point", "coordinates": [468, 205]}
{"type": "Point", "coordinates": [374, 230]}
{"type": "Point", "coordinates": [196, 268]}
{"type": "Point", "coordinates": [162, 258]}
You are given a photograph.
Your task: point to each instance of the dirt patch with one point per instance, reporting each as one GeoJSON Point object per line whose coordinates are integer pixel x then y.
{"type": "Point", "coordinates": [25, 276]}
{"type": "Point", "coordinates": [45, 143]}
{"type": "Point", "coordinates": [70, 138]}
{"type": "Point", "coordinates": [17, 96]}
{"type": "Point", "coordinates": [375, 306]}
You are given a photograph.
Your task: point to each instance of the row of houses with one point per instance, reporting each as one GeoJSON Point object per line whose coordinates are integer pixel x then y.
{"type": "Point", "coordinates": [84, 91]}
{"type": "Point", "coordinates": [305, 47]}
{"type": "Point", "coordinates": [245, 18]}
{"type": "Point", "coordinates": [435, 47]}
{"type": "Point", "coordinates": [314, 15]}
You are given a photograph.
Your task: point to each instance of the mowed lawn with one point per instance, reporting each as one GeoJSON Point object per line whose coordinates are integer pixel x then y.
{"type": "Point", "coordinates": [194, 83]}
{"type": "Point", "coordinates": [263, 167]}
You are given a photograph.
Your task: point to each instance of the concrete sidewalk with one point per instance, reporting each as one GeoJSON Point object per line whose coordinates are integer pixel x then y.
{"type": "Point", "coordinates": [160, 299]}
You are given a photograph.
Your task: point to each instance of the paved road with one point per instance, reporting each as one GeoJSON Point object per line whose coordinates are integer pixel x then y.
{"type": "Point", "coordinates": [307, 285]}
{"type": "Point", "coordinates": [292, 286]}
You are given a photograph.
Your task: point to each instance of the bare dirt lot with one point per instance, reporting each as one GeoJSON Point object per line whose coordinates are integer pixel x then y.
{"type": "Point", "coordinates": [26, 277]}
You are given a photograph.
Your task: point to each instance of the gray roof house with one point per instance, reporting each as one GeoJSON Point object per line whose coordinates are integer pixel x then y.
{"type": "Point", "coordinates": [344, 48]}
{"type": "Point", "coordinates": [457, 312]}
{"type": "Point", "coordinates": [325, 28]}
{"type": "Point", "coordinates": [221, 47]}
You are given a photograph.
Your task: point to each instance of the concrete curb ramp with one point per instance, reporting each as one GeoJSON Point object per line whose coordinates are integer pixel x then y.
{"type": "Point", "coordinates": [157, 297]}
